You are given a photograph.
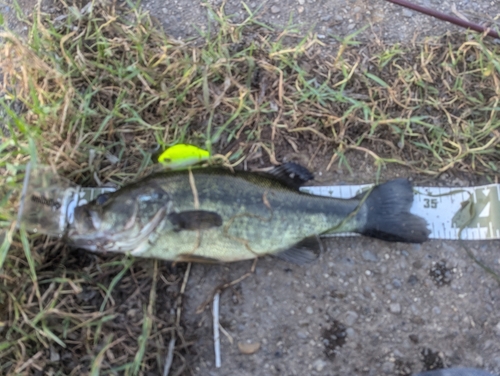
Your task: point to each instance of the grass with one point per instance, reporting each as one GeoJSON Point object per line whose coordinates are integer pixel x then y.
{"type": "Point", "coordinates": [92, 93]}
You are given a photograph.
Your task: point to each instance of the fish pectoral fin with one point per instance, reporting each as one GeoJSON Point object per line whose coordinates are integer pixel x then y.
{"type": "Point", "coordinates": [194, 258]}
{"type": "Point", "coordinates": [194, 220]}
{"type": "Point", "coordinates": [303, 252]}
{"type": "Point", "coordinates": [291, 174]}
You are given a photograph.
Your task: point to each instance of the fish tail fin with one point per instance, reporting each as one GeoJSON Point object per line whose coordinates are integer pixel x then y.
{"type": "Point", "coordinates": [388, 215]}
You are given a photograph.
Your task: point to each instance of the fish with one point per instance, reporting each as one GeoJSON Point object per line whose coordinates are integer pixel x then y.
{"type": "Point", "coordinates": [217, 215]}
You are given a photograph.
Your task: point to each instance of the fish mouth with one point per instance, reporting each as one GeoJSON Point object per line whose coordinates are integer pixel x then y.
{"type": "Point", "coordinates": [130, 239]}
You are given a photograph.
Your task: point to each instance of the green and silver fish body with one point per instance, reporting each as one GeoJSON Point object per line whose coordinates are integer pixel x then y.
{"type": "Point", "coordinates": [217, 215]}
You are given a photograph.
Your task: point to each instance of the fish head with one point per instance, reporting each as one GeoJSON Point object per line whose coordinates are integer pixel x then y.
{"type": "Point", "coordinates": [118, 221]}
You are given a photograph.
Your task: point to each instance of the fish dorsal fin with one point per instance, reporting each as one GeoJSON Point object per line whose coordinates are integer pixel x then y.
{"type": "Point", "coordinates": [303, 252]}
{"type": "Point", "coordinates": [291, 174]}
{"type": "Point", "coordinates": [193, 220]}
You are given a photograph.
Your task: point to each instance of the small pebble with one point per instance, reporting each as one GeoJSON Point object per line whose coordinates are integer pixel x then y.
{"type": "Point", "coordinates": [54, 355]}
{"type": "Point", "coordinates": [407, 13]}
{"type": "Point", "coordinates": [416, 247]}
{"type": "Point", "coordinates": [413, 280]}
{"type": "Point", "coordinates": [417, 320]}
{"type": "Point", "coordinates": [396, 283]}
{"type": "Point", "coordinates": [388, 367]}
{"type": "Point", "coordinates": [395, 307]}
{"type": "Point", "coordinates": [414, 309]}
{"type": "Point", "coordinates": [319, 365]}
{"type": "Point", "coordinates": [302, 335]}
{"type": "Point", "coordinates": [248, 348]}
{"type": "Point", "coordinates": [497, 329]}
{"type": "Point", "coordinates": [350, 333]}
{"type": "Point", "coordinates": [369, 256]}
{"type": "Point", "coordinates": [414, 338]}
{"type": "Point", "coordinates": [309, 310]}
{"type": "Point", "coordinates": [275, 9]}
{"type": "Point", "coordinates": [351, 318]}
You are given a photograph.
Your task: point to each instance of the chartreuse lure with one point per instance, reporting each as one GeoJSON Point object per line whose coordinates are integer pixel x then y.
{"type": "Point", "coordinates": [182, 155]}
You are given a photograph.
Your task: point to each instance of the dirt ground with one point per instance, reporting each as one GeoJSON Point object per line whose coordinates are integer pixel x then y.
{"type": "Point", "coordinates": [330, 19]}
{"type": "Point", "coordinates": [366, 307]}
{"type": "Point", "coordinates": [388, 21]}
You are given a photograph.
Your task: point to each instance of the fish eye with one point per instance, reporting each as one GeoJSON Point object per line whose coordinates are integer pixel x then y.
{"type": "Point", "coordinates": [102, 198]}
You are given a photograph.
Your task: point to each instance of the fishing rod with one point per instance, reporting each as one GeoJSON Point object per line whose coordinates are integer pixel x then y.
{"type": "Point", "coordinates": [447, 17]}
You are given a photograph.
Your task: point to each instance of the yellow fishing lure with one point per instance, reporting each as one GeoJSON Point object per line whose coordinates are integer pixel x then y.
{"type": "Point", "coordinates": [182, 155]}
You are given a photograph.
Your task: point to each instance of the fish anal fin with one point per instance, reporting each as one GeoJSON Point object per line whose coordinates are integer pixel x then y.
{"type": "Point", "coordinates": [291, 174]}
{"type": "Point", "coordinates": [193, 220]}
{"type": "Point", "coordinates": [304, 252]}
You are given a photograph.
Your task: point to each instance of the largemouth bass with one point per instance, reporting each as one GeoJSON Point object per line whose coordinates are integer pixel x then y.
{"type": "Point", "coordinates": [213, 214]}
